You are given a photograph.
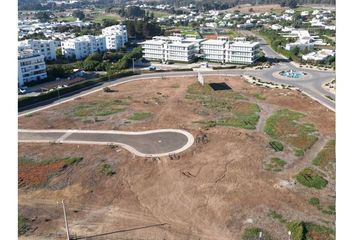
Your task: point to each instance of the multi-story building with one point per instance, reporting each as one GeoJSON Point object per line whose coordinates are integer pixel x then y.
{"type": "Point", "coordinates": [45, 48]}
{"type": "Point", "coordinates": [225, 51]}
{"type": "Point", "coordinates": [214, 50]}
{"type": "Point", "coordinates": [31, 67]}
{"type": "Point", "coordinates": [154, 50]}
{"type": "Point", "coordinates": [83, 46]}
{"type": "Point", "coordinates": [116, 36]}
{"type": "Point", "coordinates": [243, 52]}
{"type": "Point", "coordinates": [172, 48]}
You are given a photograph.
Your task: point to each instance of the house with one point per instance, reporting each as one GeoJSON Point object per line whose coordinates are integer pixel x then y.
{"type": "Point", "coordinates": [31, 67]}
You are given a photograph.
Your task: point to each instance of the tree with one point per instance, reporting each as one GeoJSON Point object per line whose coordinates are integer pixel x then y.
{"type": "Point", "coordinates": [79, 14]}
{"type": "Point", "coordinates": [292, 4]}
{"type": "Point", "coordinates": [59, 53]}
{"type": "Point", "coordinates": [42, 16]}
{"type": "Point", "coordinates": [295, 51]}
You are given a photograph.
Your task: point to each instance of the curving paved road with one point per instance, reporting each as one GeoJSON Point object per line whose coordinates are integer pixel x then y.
{"type": "Point", "coordinates": [154, 143]}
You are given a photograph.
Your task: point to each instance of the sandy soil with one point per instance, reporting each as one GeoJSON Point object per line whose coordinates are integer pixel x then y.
{"type": "Point", "coordinates": [212, 191]}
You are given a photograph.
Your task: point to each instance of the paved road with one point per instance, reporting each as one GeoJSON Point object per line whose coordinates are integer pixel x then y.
{"type": "Point", "coordinates": [146, 144]}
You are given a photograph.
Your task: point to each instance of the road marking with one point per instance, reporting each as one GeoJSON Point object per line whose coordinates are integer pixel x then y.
{"type": "Point", "coordinates": [65, 136]}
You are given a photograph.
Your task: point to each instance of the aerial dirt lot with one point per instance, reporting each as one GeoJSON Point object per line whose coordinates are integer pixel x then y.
{"type": "Point", "coordinates": [216, 189]}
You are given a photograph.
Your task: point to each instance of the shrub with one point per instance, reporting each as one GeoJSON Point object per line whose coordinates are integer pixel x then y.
{"type": "Point", "coordinates": [310, 178]}
{"type": "Point", "coordinates": [277, 146]}
{"type": "Point", "coordinates": [297, 230]}
{"type": "Point", "coordinates": [314, 201]}
{"type": "Point", "coordinates": [253, 233]}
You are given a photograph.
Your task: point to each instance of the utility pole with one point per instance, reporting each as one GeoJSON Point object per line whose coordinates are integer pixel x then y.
{"type": "Point", "coordinates": [66, 222]}
{"type": "Point", "coordinates": [133, 65]}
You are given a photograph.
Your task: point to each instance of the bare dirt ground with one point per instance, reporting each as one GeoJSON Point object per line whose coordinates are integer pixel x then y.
{"type": "Point", "coordinates": [213, 190]}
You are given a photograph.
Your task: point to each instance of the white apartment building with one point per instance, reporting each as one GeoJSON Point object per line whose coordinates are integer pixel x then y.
{"type": "Point", "coordinates": [45, 48]}
{"type": "Point", "coordinates": [83, 46]}
{"type": "Point", "coordinates": [225, 51]}
{"type": "Point", "coordinates": [214, 50]}
{"type": "Point", "coordinates": [31, 67]}
{"type": "Point", "coordinates": [172, 48]}
{"type": "Point", "coordinates": [116, 36]}
{"type": "Point", "coordinates": [154, 50]}
{"type": "Point", "coordinates": [242, 52]}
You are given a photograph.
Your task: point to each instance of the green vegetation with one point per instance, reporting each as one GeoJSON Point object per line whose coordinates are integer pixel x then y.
{"type": "Point", "coordinates": [278, 42]}
{"type": "Point", "coordinates": [66, 19]}
{"type": "Point", "coordinates": [277, 216]}
{"type": "Point", "coordinates": [309, 231]}
{"type": "Point", "coordinates": [331, 210]}
{"type": "Point", "coordinates": [223, 103]}
{"type": "Point", "coordinates": [277, 146]}
{"type": "Point", "coordinates": [106, 169]}
{"type": "Point", "coordinates": [22, 225]}
{"type": "Point", "coordinates": [100, 108]}
{"type": "Point", "coordinates": [102, 18]}
{"type": "Point", "coordinates": [137, 116]}
{"type": "Point", "coordinates": [157, 13]}
{"type": "Point", "coordinates": [72, 160]}
{"type": "Point", "coordinates": [259, 96]}
{"type": "Point", "coordinates": [253, 233]}
{"type": "Point", "coordinates": [275, 165]}
{"type": "Point", "coordinates": [285, 125]}
{"type": "Point", "coordinates": [311, 178]}
{"type": "Point", "coordinates": [314, 201]}
{"type": "Point", "coordinates": [326, 158]}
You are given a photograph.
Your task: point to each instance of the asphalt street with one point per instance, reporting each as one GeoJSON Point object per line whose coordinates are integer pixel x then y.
{"type": "Point", "coordinates": [151, 143]}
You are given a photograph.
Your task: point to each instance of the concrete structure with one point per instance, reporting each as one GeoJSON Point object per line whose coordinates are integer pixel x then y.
{"type": "Point", "coordinates": [83, 46]}
{"type": "Point", "coordinates": [46, 48]}
{"type": "Point", "coordinates": [31, 67]}
{"type": "Point", "coordinates": [116, 36]}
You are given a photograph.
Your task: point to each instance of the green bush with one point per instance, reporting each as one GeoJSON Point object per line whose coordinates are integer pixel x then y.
{"type": "Point", "coordinates": [22, 225]}
{"type": "Point", "coordinates": [297, 230]}
{"type": "Point", "coordinates": [277, 146]}
{"type": "Point", "coordinates": [312, 179]}
{"type": "Point", "coordinates": [314, 201]}
{"type": "Point", "coordinates": [140, 116]}
{"type": "Point", "coordinates": [253, 233]}
{"type": "Point", "coordinates": [107, 170]}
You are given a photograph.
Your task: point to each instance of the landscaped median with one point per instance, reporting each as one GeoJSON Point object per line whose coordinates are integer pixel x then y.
{"type": "Point", "coordinates": [27, 101]}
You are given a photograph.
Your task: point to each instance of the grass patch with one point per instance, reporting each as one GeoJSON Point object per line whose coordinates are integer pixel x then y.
{"type": "Point", "coordinates": [259, 96]}
{"type": "Point", "coordinates": [285, 125]}
{"type": "Point", "coordinates": [137, 116]}
{"type": "Point", "coordinates": [22, 225]}
{"type": "Point", "coordinates": [331, 210]}
{"type": "Point", "coordinates": [106, 170]}
{"type": "Point", "coordinates": [226, 104]}
{"type": "Point", "coordinates": [72, 160]}
{"type": "Point", "coordinates": [311, 178]}
{"type": "Point", "coordinates": [277, 216]}
{"type": "Point", "coordinates": [253, 233]}
{"type": "Point", "coordinates": [314, 201]}
{"type": "Point", "coordinates": [275, 165]}
{"type": "Point", "coordinates": [309, 231]}
{"type": "Point", "coordinates": [101, 18]}
{"type": "Point", "coordinates": [326, 158]}
{"type": "Point", "coordinates": [277, 146]}
{"type": "Point", "coordinates": [100, 108]}
{"type": "Point", "coordinates": [160, 14]}
{"type": "Point", "coordinates": [66, 19]}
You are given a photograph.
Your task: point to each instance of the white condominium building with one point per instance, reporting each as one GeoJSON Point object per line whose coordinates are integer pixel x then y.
{"type": "Point", "coordinates": [242, 52]}
{"type": "Point", "coordinates": [45, 48]}
{"type": "Point", "coordinates": [83, 46]}
{"type": "Point", "coordinates": [116, 36]}
{"type": "Point", "coordinates": [31, 67]}
{"type": "Point", "coordinates": [180, 52]}
{"type": "Point", "coordinates": [172, 48]}
{"type": "Point", "coordinates": [214, 50]}
{"type": "Point", "coordinates": [225, 51]}
{"type": "Point", "coordinates": [154, 50]}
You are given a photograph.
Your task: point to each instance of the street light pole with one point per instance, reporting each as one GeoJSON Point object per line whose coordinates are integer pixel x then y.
{"type": "Point", "coordinates": [133, 65]}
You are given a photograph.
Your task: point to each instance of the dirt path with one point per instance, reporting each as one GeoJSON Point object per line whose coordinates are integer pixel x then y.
{"type": "Point", "coordinates": [266, 111]}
